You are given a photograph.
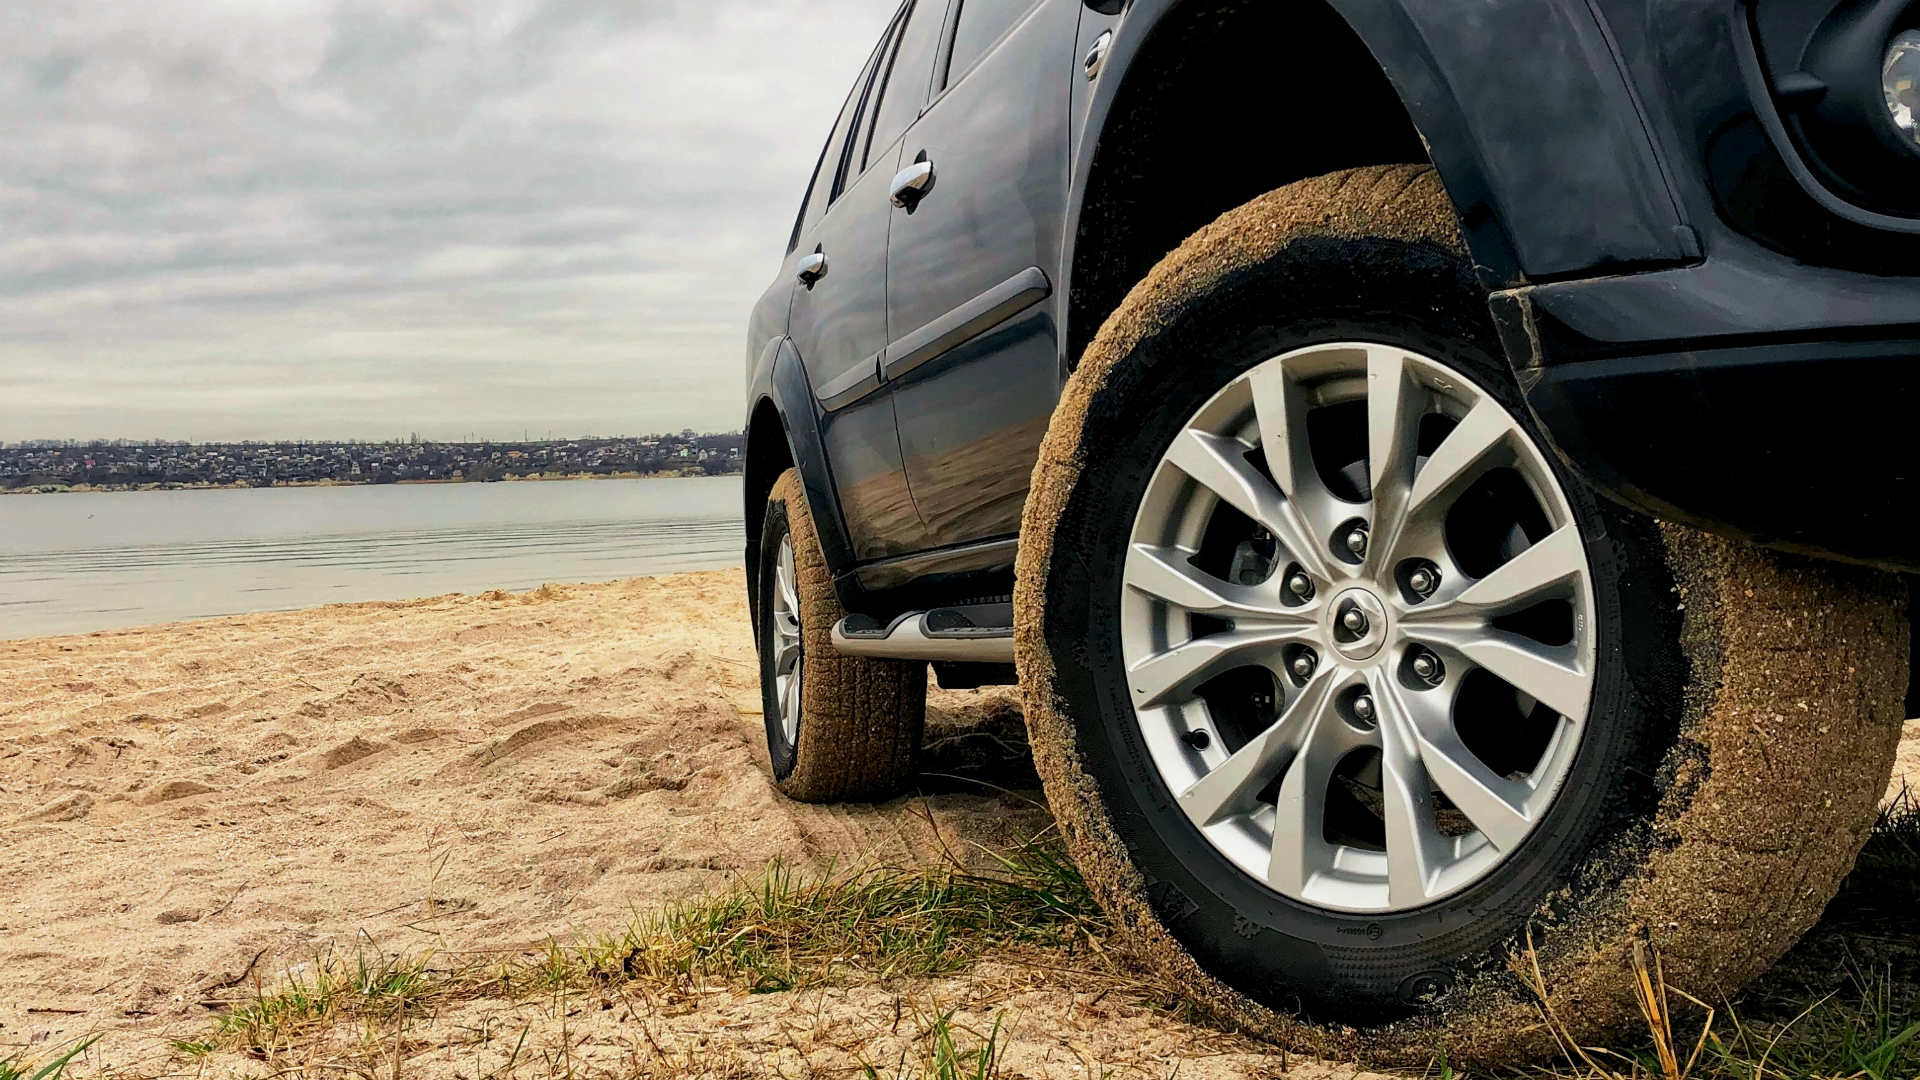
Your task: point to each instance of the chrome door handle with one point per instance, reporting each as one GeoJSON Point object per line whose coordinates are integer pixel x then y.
{"type": "Point", "coordinates": [910, 184]}
{"type": "Point", "coordinates": [812, 268]}
{"type": "Point", "coordinates": [1097, 56]}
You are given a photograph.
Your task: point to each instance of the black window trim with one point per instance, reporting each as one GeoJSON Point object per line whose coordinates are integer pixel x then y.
{"type": "Point", "coordinates": [940, 50]}
{"type": "Point", "coordinates": [861, 88]}
{"type": "Point", "coordinates": [944, 65]}
{"type": "Point", "coordinates": [800, 218]}
{"type": "Point", "coordinates": [888, 41]}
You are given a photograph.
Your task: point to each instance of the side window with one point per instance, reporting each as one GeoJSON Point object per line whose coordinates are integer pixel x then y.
{"type": "Point", "coordinates": [828, 174]}
{"type": "Point", "coordinates": [810, 208]}
{"type": "Point", "coordinates": [981, 24]}
{"type": "Point", "coordinates": [904, 90]}
{"type": "Point", "coordinates": [850, 165]}
{"type": "Point", "coordinates": [821, 186]}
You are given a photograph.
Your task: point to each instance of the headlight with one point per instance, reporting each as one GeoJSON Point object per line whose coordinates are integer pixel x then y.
{"type": "Point", "coordinates": [1900, 78]}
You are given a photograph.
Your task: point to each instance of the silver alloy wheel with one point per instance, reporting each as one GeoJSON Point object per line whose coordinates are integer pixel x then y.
{"type": "Point", "coordinates": [1366, 624]}
{"type": "Point", "coordinates": [786, 641]}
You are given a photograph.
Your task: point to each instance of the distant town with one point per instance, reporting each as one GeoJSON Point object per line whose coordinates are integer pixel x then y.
{"type": "Point", "coordinates": [124, 465]}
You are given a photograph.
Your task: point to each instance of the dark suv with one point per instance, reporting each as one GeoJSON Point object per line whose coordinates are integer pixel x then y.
{"type": "Point", "coordinates": [1434, 468]}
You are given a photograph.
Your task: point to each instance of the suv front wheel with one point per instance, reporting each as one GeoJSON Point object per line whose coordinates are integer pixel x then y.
{"type": "Point", "coordinates": [1339, 682]}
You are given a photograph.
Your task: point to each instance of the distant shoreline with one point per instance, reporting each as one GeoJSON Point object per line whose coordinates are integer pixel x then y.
{"type": "Point", "coordinates": [105, 489]}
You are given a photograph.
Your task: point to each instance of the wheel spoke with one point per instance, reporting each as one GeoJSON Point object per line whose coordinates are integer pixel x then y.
{"type": "Point", "coordinates": [1495, 805]}
{"type": "Point", "coordinates": [1466, 452]}
{"type": "Point", "coordinates": [1411, 832]}
{"type": "Point", "coordinates": [1165, 574]}
{"type": "Point", "coordinates": [1219, 464]}
{"type": "Point", "coordinates": [1280, 409]}
{"type": "Point", "coordinates": [1299, 846]}
{"type": "Point", "coordinates": [790, 704]}
{"type": "Point", "coordinates": [788, 654]}
{"type": "Point", "coordinates": [1415, 848]}
{"type": "Point", "coordinates": [786, 578]}
{"type": "Point", "coordinates": [1231, 786]}
{"type": "Point", "coordinates": [1178, 670]}
{"type": "Point", "coordinates": [1536, 573]}
{"type": "Point", "coordinates": [1548, 673]}
{"type": "Point", "coordinates": [1394, 404]}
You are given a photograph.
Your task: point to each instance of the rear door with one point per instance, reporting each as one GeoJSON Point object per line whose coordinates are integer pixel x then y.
{"type": "Point", "coordinates": [972, 355]}
{"type": "Point", "coordinates": [838, 325]}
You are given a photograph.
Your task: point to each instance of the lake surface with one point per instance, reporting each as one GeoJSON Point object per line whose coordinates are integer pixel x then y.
{"type": "Point", "coordinates": [73, 563]}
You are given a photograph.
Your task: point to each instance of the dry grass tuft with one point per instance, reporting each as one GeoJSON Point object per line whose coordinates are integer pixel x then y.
{"type": "Point", "coordinates": [789, 932]}
{"type": "Point", "coordinates": [947, 1050]}
{"type": "Point", "coordinates": [793, 932]}
{"type": "Point", "coordinates": [1786, 1028]}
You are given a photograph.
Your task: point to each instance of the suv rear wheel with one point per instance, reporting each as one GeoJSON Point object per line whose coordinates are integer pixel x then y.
{"type": "Point", "coordinates": [839, 728]}
{"type": "Point", "coordinates": [1338, 681]}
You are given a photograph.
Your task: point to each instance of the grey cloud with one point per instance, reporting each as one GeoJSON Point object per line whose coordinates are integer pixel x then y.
{"type": "Point", "coordinates": [331, 218]}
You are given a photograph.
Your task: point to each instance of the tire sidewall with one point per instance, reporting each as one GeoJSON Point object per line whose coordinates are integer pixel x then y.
{"type": "Point", "coordinates": [1283, 953]}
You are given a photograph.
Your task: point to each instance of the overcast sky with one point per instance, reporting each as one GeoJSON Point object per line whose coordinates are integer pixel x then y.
{"type": "Point", "coordinates": [226, 219]}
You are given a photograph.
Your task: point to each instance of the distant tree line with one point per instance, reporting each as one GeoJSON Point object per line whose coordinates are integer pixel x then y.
{"type": "Point", "coordinates": [54, 465]}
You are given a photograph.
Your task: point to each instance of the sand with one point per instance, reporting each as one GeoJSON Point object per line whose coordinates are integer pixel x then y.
{"type": "Point", "coordinates": [463, 773]}
{"type": "Point", "coordinates": [180, 803]}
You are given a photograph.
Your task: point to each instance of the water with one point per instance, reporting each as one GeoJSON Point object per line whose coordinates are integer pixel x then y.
{"type": "Point", "coordinates": [80, 562]}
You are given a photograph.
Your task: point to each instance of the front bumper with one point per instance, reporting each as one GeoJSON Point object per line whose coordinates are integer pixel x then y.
{"type": "Point", "coordinates": [1750, 395]}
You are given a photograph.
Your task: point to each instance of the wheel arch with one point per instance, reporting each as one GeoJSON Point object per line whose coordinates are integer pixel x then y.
{"type": "Point", "coordinates": [1570, 183]}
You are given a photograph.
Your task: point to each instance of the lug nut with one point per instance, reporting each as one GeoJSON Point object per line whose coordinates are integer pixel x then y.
{"type": "Point", "coordinates": [1363, 707]}
{"type": "Point", "coordinates": [1422, 581]}
{"type": "Point", "coordinates": [1427, 667]}
{"type": "Point", "coordinates": [1300, 585]}
{"type": "Point", "coordinates": [1357, 541]}
{"type": "Point", "coordinates": [1303, 664]}
{"type": "Point", "coordinates": [1354, 620]}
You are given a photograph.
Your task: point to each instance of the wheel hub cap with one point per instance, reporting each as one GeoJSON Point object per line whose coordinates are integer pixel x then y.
{"type": "Point", "coordinates": [1359, 649]}
{"type": "Point", "coordinates": [1361, 638]}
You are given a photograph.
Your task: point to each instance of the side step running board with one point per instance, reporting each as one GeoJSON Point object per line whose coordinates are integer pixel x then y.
{"type": "Point", "coordinates": [976, 633]}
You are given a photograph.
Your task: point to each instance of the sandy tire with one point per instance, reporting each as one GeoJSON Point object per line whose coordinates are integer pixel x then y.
{"type": "Point", "coordinates": [850, 729]}
{"type": "Point", "coordinates": [1745, 705]}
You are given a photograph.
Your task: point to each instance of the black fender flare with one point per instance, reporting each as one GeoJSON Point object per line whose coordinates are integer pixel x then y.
{"type": "Point", "coordinates": [1569, 184]}
{"type": "Point", "coordinates": [780, 378]}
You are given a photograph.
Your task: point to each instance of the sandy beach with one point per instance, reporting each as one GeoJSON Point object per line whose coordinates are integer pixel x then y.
{"type": "Point", "coordinates": [193, 807]}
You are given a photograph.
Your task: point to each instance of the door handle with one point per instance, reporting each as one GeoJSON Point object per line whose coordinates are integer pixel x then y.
{"type": "Point", "coordinates": [812, 268]}
{"type": "Point", "coordinates": [911, 184]}
{"type": "Point", "coordinates": [1097, 56]}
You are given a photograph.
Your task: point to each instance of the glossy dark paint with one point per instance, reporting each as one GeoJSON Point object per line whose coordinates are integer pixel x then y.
{"type": "Point", "coordinates": [1669, 295]}
{"type": "Point", "coordinates": [839, 327]}
{"type": "Point", "coordinates": [997, 137]}
{"type": "Point", "coordinates": [966, 564]}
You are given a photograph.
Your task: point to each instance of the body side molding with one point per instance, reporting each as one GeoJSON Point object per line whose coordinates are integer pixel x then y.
{"type": "Point", "coordinates": [969, 320]}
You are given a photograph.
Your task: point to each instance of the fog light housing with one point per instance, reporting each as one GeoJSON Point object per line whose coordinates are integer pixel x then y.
{"type": "Point", "coordinates": [1900, 78]}
{"type": "Point", "coordinates": [1846, 97]}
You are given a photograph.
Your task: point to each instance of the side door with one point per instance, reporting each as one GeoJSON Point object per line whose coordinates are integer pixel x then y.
{"type": "Point", "coordinates": [838, 326]}
{"type": "Point", "coordinates": [971, 307]}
